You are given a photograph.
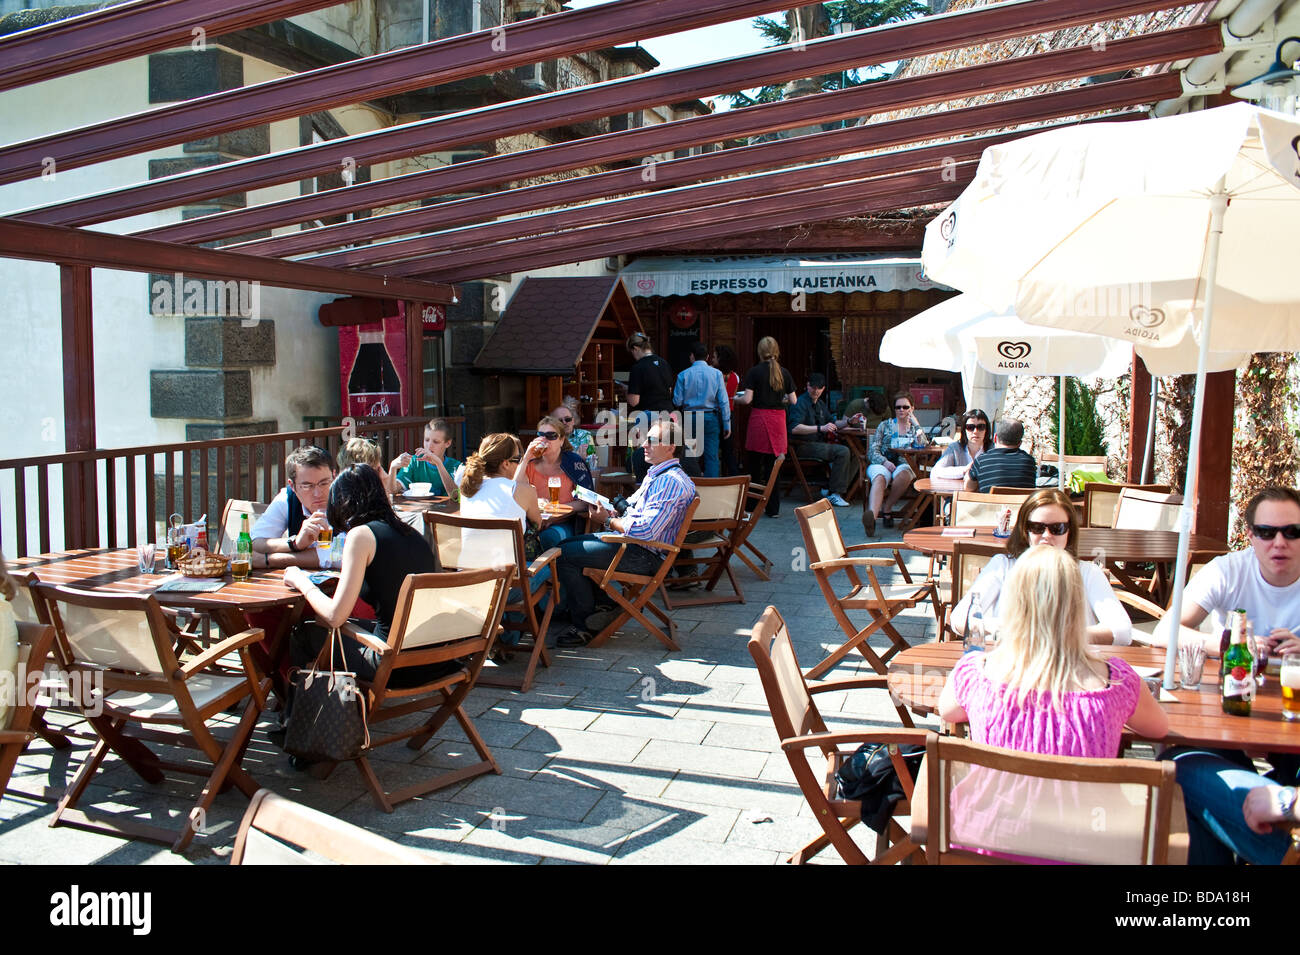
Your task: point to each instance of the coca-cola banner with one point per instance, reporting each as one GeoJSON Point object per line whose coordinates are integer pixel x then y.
{"type": "Point", "coordinates": [372, 369]}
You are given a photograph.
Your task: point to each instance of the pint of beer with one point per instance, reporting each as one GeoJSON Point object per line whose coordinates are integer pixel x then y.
{"type": "Point", "coordinates": [241, 567]}
{"type": "Point", "coordinates": [326, 536]}
{"type": "Point", "coordinates": [553, 485]}
{"type": "Point", "coordinates": [1290, 680]}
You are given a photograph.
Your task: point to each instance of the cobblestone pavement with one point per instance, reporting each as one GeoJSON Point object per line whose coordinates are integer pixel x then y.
{"type": "Point", "coordinates": [626, 754]}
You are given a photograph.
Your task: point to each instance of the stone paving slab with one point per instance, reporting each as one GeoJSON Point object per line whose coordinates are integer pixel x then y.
{"type": "Point", "coordinates": [626, 754]}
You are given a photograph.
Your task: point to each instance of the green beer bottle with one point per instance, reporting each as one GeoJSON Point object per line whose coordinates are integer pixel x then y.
{"type": "Point", "coordinates": [1237, 672]}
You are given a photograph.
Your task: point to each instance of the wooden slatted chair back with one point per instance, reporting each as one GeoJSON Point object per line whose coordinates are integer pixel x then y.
{"type": "Point", "coordinates": [1147, 510]}
{"type": "Point", "coordinates": [970, 508]}
{"type": "Point", "coordinates": [1100, 501]}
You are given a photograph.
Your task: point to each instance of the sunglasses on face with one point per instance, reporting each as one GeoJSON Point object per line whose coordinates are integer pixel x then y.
{"type": "Point", "coordinates": [549, 435]}
{"type": "Point", "coordinates": [1266, 532]}
{"type": "Point", "coordinates": [902, 407]}
{"type": "Point", "coordinates": [564, 420]}
{"type": "Point", "coordinates": [976, 426]}
{"type": "Point", "coordinates": [1057, 528]}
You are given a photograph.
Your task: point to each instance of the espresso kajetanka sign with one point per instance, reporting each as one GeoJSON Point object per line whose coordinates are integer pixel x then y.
{"type": "Point", "coordinates": [734, 274]}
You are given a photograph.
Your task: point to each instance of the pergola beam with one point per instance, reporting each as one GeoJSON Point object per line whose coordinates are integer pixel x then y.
{"type": "Point", "coordinates": [912, 38]}
{"type": "Point", "coordinates": [78, 247]}
{"type": "Point", "coordinates": [131, 29]}
{"type": "Point", "coordinates": [788, 207]}
{"type": "Point", "coordinates": [731, 161]}
{"type": "Point", "coordinates": [1010, 112]}
{"type": "Point", "coordinates": [857, 205]}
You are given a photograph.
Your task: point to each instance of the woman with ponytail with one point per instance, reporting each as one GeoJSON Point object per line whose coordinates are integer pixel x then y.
{"type": "Point", "coordinates": [768, 388]}
{"type": "Point", "coordinates": [495, 484]}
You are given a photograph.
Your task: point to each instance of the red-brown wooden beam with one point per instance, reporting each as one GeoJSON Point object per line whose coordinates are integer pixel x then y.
{"type": "Point", "coordinates": [932, 34]}
{"type": "Point", "coordinates": [524, 259]}
{"type": "Point", "coordinates": [672, 172]}
{"type": "Point", "coordinates": [131, 29]}
{"type": "Point", "coordinates": [47, 243]}
{"type": "Point", "coordinates": [1139, 419]}
{"type": "Point", "coordinates": [1214, 468]}
{"type": "Point", "coordinates": [812, 204]}
{"type": "Point", "coordinates": [416, 67]}
{"type": "Point", "coordinates": [454, 247]}
{"type": "Point", "coordinates": [80, 509]}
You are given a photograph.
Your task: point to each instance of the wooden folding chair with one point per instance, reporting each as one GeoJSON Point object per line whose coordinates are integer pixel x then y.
{"type": "Point", "coordinates": [973, 508]}
{"type": "Point", "coordinates": [26, 610]}
{"type": "Point", "coordinates": [507, 539]}
{"type": "Point", "coordinates": [756, 505]}
{"type": "Point", "coordinates": [120, 647]}
{"type": "Point", "coordinates": [439, 618]}
{"type": "Point", "coordinates": [637, 589]}
{"type": "Point", "coordinates": [1067, 809]}
{"type": "Point", "coordinates": [827, 555]}
{"type": "Point", "coordinates": [1147, 510]}
{"type": "Point", "coordinates": [720, 515]}
{"type": "Point", "coordinates": [800, 728]}
{"type": "Point", "coordinates": [35, 641]}
{"type": "Point", "coordinates": [798, 466]}
{"type": "Point", "coordinates": [968, 559]}
{"type": "Point", "coordinates": [1100, 500]}
{"type": "Point", "coordinates": [230, 515]}
{"type": "Point", "coordinates": [279, 831]}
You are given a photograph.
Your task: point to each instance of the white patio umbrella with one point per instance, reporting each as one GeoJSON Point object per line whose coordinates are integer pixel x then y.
{"type": "Point", "coordinates": [963, 334]}
{"type": "Point", "coordinates": [1165, 232]}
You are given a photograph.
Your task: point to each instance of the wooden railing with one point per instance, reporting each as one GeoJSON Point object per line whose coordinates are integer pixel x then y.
{"type": "Point", "coordinates": [459, 438]}
{"type": "Point", "coordinates": [118, 497]}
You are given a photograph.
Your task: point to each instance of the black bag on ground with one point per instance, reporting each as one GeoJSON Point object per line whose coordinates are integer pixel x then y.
{"type": "Point", "coordinates": [327, 718]}
{"type": "Point", "coordinates": [869, 776]}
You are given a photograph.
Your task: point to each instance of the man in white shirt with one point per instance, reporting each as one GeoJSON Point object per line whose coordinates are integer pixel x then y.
{"type": "Point", "coordinates": [1222, 791]}
{"type": "Point", "coordinates": [285, 535]}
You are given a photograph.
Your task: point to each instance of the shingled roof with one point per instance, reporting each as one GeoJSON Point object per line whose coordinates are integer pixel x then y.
{"type": "Point", "coordinates": [549, 321]}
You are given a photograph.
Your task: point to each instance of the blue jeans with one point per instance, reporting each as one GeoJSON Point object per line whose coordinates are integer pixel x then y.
{"type": "Point", "coordinates": [706, 426]}
{"type": "Point", "coordinates": [577, 592]}
{"type": "Point", "coordinates": [1214, 784]}
{"type": "Point", "coordinates": [511, 638]}
{"type": "Point", "coordinates": [557, 534]}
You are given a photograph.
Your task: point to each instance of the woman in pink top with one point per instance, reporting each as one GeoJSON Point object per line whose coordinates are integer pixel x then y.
{"type": "Point", "coordinates": [1042, 689]}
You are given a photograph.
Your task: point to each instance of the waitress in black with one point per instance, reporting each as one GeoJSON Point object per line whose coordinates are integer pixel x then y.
{"type": "Point", "coordinates": [649, 389]}
{"type": "Point", "coordinates": [768, 388]}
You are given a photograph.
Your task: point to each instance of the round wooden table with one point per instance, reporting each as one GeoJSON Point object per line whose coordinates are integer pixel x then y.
{"type": "Point", "coordinates": [917, 677]}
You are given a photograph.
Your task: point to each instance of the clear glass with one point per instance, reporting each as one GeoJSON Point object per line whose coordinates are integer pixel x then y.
{"type": "Point", "coordinates": [144, 555]}
{"type": "Point", "coordinates": [1290, 680]}
{"type": "Point", "coordinates": [1191, 665]}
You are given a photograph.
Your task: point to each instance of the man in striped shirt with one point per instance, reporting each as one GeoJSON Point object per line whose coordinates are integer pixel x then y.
{"type": "Point", "coordinates": [1004, 464]}
{"type": "Point", "coordinates": [656, 513]}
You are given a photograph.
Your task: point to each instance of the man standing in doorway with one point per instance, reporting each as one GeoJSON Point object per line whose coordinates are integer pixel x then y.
{"type": "Point", "coordinates": [701, 393]}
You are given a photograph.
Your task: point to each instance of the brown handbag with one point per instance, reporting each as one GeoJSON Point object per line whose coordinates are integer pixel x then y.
{"type": "Point", "coordinates": [328, 720]}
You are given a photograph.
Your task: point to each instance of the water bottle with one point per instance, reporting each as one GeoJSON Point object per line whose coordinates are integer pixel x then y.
{"type": "Point", "coordinates": [975, 628]}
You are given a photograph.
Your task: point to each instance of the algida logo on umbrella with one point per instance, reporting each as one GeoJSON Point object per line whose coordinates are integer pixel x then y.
{"type": "Point", "coordinates": [1013, 354]}
{"type": "Point", "coordinates": [1147, 321]}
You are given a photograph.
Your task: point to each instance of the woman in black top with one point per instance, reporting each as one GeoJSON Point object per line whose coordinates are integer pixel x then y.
{"type": "Point", "coordinates": [767, 388]}
{"type": "Point", "coordinates": [379, 552]}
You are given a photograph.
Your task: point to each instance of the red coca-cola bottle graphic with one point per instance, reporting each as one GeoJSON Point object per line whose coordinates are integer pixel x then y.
{"type": "Point", "coordinates": [374, 388]}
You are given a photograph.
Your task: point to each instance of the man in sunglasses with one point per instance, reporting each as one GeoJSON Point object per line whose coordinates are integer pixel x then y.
{"type": "Point", "coordinates": [1219, 786]}
{"type": "Point", "coordinates": [656, 513]}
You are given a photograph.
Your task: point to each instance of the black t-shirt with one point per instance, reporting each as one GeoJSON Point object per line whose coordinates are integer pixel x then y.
{"type": "Point", "coordinates": [396, 556]}
{"type": "Point", "coordinates": [652, 380]}
{"type": "Point", "coordinates": [1004, 467]}
{"type": "Point", "coordinates": [757, 381]}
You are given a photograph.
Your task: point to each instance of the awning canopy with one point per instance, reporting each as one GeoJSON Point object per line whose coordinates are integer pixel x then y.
{"type": "Point", "coordinates": [712, 274]}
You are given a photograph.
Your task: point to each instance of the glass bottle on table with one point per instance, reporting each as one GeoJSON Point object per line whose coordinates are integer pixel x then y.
{"type": "Point", "coordinates": [1237, 669]}
{"type": "Point", "coordinates": [242, 565]}
{"type": "Point", "coordinates": [976, 626]}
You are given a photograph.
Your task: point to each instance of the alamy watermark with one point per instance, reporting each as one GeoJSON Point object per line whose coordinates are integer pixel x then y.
{"type": "Point", "coordinates": [179, 296]}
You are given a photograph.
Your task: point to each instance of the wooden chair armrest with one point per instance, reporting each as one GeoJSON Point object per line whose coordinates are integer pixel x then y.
{"type": "Point", "coordinates": [1148, 607]}
{"type": "Point", "coordinates": [543, 560]}
{"type": "Point", "coordinates": [656, 545]}
{"type": "Point", "coordinates": [890, 546]}
{"type": "Point", "coordinates": [16, 736]}
{"type": "Point", "coordinates": [364, 637]}
{"type": "Point", "coordinates": [842, 562]}
{"type": "Point", "coordinates": [900, 736]}
{"type": "Point", "coordinates": [874, 682]}
{"type": "Point", "coordinates": [921, 805]}
{"type": "Point", "coordinates": [218, 650]}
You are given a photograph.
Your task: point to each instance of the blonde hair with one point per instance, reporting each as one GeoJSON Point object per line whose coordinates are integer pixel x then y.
{"type": "Point", "coordinates": [770, 352]}
{"type": "Point", "coordinates": [555, 425]}
{"type": "Point", "coordinates": [1042, 640]}
{"type": "Point", "coordinates": [360, 451]}
{"type": "Point", "coordinates": [493, 451]}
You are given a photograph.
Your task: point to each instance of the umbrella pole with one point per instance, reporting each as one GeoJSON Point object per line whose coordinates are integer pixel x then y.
{"type": "Point", "coordinates": [1149, 450]}
{"type": "Point", "coordinates": [1218, 206]}
{"type": "Point", "coordinates": [1060, 433]}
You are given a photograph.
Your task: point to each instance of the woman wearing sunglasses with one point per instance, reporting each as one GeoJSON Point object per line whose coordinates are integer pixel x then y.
{"type": "Point", "coordinates": [551, 456]}
{"type": "Point", "coordinates": [974, 437]}
{"type": "Point", "coordinates": [887, 467]}
{"type": "Point", "coordinates": [1048, 517]}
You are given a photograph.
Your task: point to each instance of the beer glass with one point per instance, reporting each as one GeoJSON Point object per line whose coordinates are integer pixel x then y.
{"type": "Point", "coordinates": [553, 485]}
{"type": "Point", "coordinates": [177, 546]}
{"type": "Point", "coordinates": [326, 536]}
{"type": "Point", "coordinates": [1290, 680]}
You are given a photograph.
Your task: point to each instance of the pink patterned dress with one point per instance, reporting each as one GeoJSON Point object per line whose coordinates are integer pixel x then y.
{"type": "Point", "coordinates": [1089, 722]}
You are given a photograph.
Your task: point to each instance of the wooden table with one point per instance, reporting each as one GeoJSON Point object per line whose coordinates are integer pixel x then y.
{"type": "Point", "coordinates": [1112, 545]}
{"type": "Point", "coordinates": [117, 571]}
{"type": "Point", "coordinates": [932, 489]}
{"type": "Point", "coordinates": [917, 677]}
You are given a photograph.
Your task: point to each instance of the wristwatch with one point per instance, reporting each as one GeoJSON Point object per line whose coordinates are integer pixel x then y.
{"type": "Point", "coordinates": [1286, 801]}
{"type": "Point", "coordinates": [293, 544]}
